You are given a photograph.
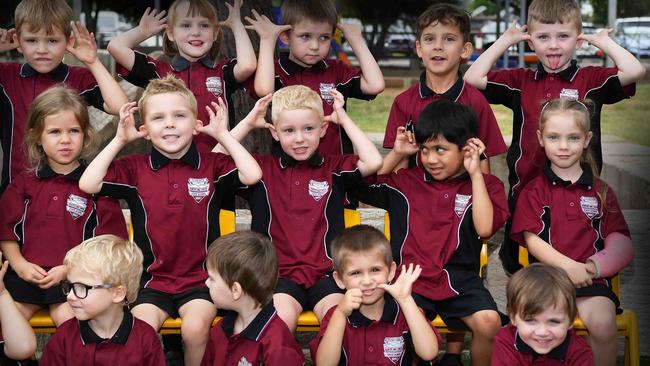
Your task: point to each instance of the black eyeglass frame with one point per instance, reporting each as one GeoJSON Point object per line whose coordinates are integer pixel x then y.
{"type": "Point", "coordinates": [67, 286]}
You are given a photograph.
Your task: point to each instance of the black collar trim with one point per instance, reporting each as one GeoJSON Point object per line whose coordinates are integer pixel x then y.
{"type": "Point", "coordinates": [158, 161]}
{"type": "Point", "coordinates": [566, 74]}
{"type": "Point", "coordinates": [60, 73]}
{"type": "Point", "coordinates": [289, 67]}
{"type": "Point", "coordinates": [557, 353]}
{"type": "Point", "coordinates": [180, 63]}
{"type": "Point", "coordinates": [74, 176]}
{"type": "Point", "coordinates": [586, 179]}
{"type": "Point", "coordinates": [389, 315]}
{"type": "Point", "coordinates": [429, 179]}
{"type": "Point", "coordinates": [451, 94]}
{"type": "Point", "coordinates": [286, 161]}
{"type": "Point", "coordinates": [120, 337]}
{"type": "Point", "coordinates": [254, 330]}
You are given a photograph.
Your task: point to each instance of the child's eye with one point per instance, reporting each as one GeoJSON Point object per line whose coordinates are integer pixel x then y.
{"type": "Point", "coordinates": [450, 39]}
{"type": "Point", "coordinates": [324, 38]}
{"type": "Point", "coordinates": [309, 128]}
{"type": "Point", "coordinates": [75, 130]}
{"type": "Point", "coordinates": [543, 37]}
{"type": "Point", "coordinates": [180, 115]}
{"type": "Point", "coordinates": [376, 269]}
{"type": "Point", "coordinates": [288, 130]}
{"type": "Point", "coordinates": [574, 138]}
{"type": "Point", "coordinates": [205, 25]}
{"type": "Point", "coordinates": [552, 137]}
{"type": "Point", "coordinates": [428, 39]}
{"type": "Point", "coordinates": [184, 25]}
{"type": "Point", "coordinates": [304, 37]}
{"type": "Point", "coordinates": [441, 150]}
{"type": "Point", "coordinates": [53, 40]}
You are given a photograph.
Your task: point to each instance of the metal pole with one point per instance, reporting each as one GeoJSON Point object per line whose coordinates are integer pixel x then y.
{"type": "Point", "coordinates": [157, 7]}
{"type": "Point", "coordinates": [506, 20]}
{"type": "Point", "coordinates": [522, 20]}
{"type": "Point", "coordinates": [76, 9]}
{"type": "Point", "coordinates": [611, 21]}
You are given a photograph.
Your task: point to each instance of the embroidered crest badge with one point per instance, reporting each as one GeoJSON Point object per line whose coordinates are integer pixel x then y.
{"type": "Point", "coordinates": [244, 362]}
{"type": "Point", "coordinates": [589, 206]}
{"type": "Point", "coordinates": [393, 348]}
{"type": "Point", "coordinates": [325, 92]}
{"type": "Point", "coordinates": [571, 94]}
{"type": "Point", "coordinates": [198, 188]}
{"type": "Point", "coordinates": [214, 85]}
{"type": "Point", "coordinates": [76, 206]}
{"type": "Point", "coordinates": [318, 189]}
{"type": "Point", "coordinates": [461, 203]}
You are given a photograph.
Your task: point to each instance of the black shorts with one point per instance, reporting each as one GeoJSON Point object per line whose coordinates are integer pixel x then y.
{"type": "Point", "coordinates": [170, 303]}
{"type": "Point", "coordinates": [308, 297]}
{"type": "Point", "coordinates": [451, 310]}
{"type": "Point", "coordinates": [29, 293]}
{"type": "Point", "coordinates": [600, 289]}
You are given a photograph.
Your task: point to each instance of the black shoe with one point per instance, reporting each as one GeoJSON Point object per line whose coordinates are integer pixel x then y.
{"type": "Point", "coordinates": [450, 359]}
{"type": "Point", "coordinates": [174, 358]}
{"type": "Point", "coordinates": [173, 347]}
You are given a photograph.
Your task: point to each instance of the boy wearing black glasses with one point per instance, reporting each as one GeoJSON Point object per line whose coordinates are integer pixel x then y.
{"type": "Point", "coordinates": [103, 277]}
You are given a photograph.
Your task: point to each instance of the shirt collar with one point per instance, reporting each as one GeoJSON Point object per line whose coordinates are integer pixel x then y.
{"type": "Point", "coordinates": [158, 161]}
{"type": "Point", "coordinates": [586, 179]}
{"type": "Point", "coordinates": [120, 337]}
{"type": "Point", "coordinates": [74, 176]}
{"type": "Point", "coordinates": [59, 73]}
{"type": "Point", "coordinates": [566, 74]}
{"type": "Point", "coordinates": [289, 67]}
{"type": "Point", "coordinates": [451, 94]}
{"type": "Point", "coordinates": [254, 330]}
{"type": "Point", "coordinates": [429, 179]}
{"type": "Point", "coordinates": [180, 63]}
{"type": "Point", "coordinates": [558, 353]}
{"type": "Point", "coordinates": [315, 160]}
{"type": "Point", "coordinates": [389, 314]}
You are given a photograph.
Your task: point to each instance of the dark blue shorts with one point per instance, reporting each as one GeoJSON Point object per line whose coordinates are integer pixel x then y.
{"type": "Point", "coordinates": [170, 303]}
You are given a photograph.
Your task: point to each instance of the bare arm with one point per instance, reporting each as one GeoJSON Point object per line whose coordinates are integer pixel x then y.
{"type": "Point", "coordinates": [8, 39]}
{"type": "Point", "coordinates": [268, 33]}
{"type": "Point", "coordinates": [85, 50]}
{"type": "Point", "coordinates": [476, 75]}
{"type": "Point", "coordinates": [372, 80]}
{"type": "Point", "coordinates": [403, 147]}
{"type": "Point", "coordinates": [329, 347]}
{"type": "Point", "coordinates": [92, 179]}
{"type": "Point", "coordinates": [482, 209]}
{"type": "Point", "coordinates": [21, 344]}
{"type": "Point", "coordinates": [545, 253]}
{"type": "Point", "coordinates": [121, 47]}
{"type": "Point", "coordinates": [246, 61]}
{"type": "Point", "coordinates": [630, 69]}
{"type": "Point", "coordinates": [369, 158]}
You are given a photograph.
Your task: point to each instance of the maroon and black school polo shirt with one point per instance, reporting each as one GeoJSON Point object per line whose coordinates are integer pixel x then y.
{"type": "Point", "coordinates": [431, 225]}
{"type": "Point", "coordinates": [386, 341]}
{"type": "Point", "coordinates": [409, 104]}
{"type": "Point", "coordinates": [208, 80]}
{"type": "Point", "coordinates": [47, 214]}
{"type": "Point", "coordinates": [265, 341]}
{"type": "Point", "coordinates": [19, 86]}
{"type": "Point", "coordinates": [525, 91]}
{"type": "Point", "coordinates": [570, 217]}
{"type": "Point", "coordinates": [321, 77]}
{"type": "Point", "coordinates": [174, 210]}
{"type": "Point", "coordinates": [135, 343]}
{"type": "Point", "coordinates": [299, 205]}
{"type": "Point", "coordinates": [509, 350]}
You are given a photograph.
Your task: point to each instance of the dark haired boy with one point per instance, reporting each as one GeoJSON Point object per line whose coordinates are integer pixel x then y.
{"type": "Point", "coordinates": [242, 274]}
{"type": "Point", "coordinates": [443, 43]}
{"type": "Point", "coordinates": [440, 211]}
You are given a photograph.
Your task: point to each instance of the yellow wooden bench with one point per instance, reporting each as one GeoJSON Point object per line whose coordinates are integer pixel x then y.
{"type": "Point", "coordinates": [627, 324]}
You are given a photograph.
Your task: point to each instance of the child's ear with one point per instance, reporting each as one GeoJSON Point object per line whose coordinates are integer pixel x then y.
{"type": "Point", "coordinates": [143, 128]}
{"type": "Point", "coordinates": [119, 294]}
{"type": "Point", "coordinates": [391, 271]}
{"type": "Point", "coordinates": [588, 139]}
{"type": "Point", "coordinates": [197, 125]}
{"type": "Point", "coordinates": [338, 280]}
{"type": "Point", "coordinates": [530, 44]}
{"type": "Point", "coordinates": [539, 138]}
{"type": "Point", "coordinates": [170, 33]}
{"type": "Point", "coordinates": [274, 133]}
{"type": "Point", "coordinates": [418, 48]}
{"type": "Point", "coordinates": [284, 37]}
{"type": "Point", "coordinates": [468, 48]}
{"type": "Point", "coordinates": [236, 291]}
{"type": "Point", "coordinates": [17, 41]}
{"type": "Point", "coordinates": [323, 128]}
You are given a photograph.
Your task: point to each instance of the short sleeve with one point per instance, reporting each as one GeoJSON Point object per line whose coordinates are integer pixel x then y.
{"type": "Point", "coordinates": [346, 166]}
{"type": "Point", "coordinates": [120, 179]}
{"type": "Point", "coordinates": [110, 218]}
{"type": "Point", "coordinates": [613, 219]}
{"type": "Point", "coordinates": [145, 68]}
{"type": "Point", "coordinates": [488, 129]}
{"type": "Point", "coordinates": [88, 88]}
{"type": "Point", "coordinates": [580, 353]}
{"type": "Point", "coordinates": [528, 215]}
{"type": "Point", "coordinates": [12, 202]}
{"type": "Point", "coordinates": [54, 352]}
{"type": "Point", "coordinates": [503, 351]}
{"type": "Point", "coordinates": [396, 118]}
{"type": "Point", "coordinates": [349, 81]}
{"type": "Point", "coordinates": [503, 86]}
{"type": "Point", "coordinates": [500, 211]}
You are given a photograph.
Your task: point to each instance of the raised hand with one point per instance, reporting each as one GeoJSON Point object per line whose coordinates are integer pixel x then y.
{"type": "Point", "coordinates": [515, 33]}
{"type": "Point", "coordinates": [351, 301]}
{"type": "Point", "coordinates": [84, 47]}
{"type": "Point", "coordinates": [54, 276]}
{"type": "Point", "coordinates": [350, 30]}
{"type": "Point", "coordinates": [8, 40]}
{"type": "Point", "coordinates": [29, 272]}
{"type": "Point", "coordinates": [218, 123]}
{"type": "Point", "coordinates": [339, 113]}
{"type": "Point", "coordinates": [405, 142]}
{"type": "Point", "coordinates": [264, 27]}
{"type": "Point", "coordinates": [596, 39]}
{"type": "Point", "coordinates": [255, 117]}
{"type": "Point", "coordinates": [152, 22]}
{"type": "Point", "coordinates": [472, 152]}
{"type": "Point", "coordinates": [126, 131]}
{"type": "Point", "coordinates": [234, 15]}
{"type": "Point", "coordinates": [401, 288]}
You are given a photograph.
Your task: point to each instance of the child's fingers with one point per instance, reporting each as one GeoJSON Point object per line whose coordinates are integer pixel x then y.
{"type": "Point", "coordinates": [3, 269]}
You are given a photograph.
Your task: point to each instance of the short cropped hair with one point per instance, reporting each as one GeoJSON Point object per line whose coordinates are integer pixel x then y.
{"type": "Point", "coordinates": [293, 11]}
{"type": "Point", "coordinates": [248, 258]}
{"type": "Point", "coordinates": [447, 14]}
{"type": "Point", "coordinates": [295, 97]}
{"type": "Point", "coordinates": [44, 14]}
{"type": "Point", "coordinates": [456, 122]}
{"type": "Point", "coordinates": [555, 11]}
{"type": "Point", "coordinates": [360, 238]}
{"type": "Point", "coordinates": [538, 287]}
{"type": "Point", "coordinates": [168, 84]}
{"type": "Point", "coordinates": [115, 260]}
{"type": "Point", "coordinates": [203, 8]}
{"type": "Point", "coordinates": [52, 101]}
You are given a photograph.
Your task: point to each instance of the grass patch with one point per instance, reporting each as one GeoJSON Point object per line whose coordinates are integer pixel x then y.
{"type": "Point", "coordinates": [627, 119]}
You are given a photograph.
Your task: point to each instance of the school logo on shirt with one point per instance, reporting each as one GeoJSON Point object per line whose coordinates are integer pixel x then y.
{"type": "Point", "coordinates": [198, 188]}
{"type": "Point", "coordinates": [571, 94]}
{"type": "Point", "coordinates": [589, 206]}
{"type": "Point", "coordinates": [244, 362]}
{"type": "Point", "coordinates": [214, 85]}
{"type": "Point", "coordinates": [318, 189]}
{"type": "Point", "coordinates": [76, 206]}
{"type": "Point", "coordinates": [393, 348]}
{"type": "Point", "coordinates": [325, 92]}
{"type": "Point", "coordinates": [461, 203]}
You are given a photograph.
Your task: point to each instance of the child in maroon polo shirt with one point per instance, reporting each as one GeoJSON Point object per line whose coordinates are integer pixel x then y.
{"type": "Point", "coordinates": [542, 307]}
{"type": "Point", "coordinates": [44, 33]}
{"type": "Point", "coordinates": [553, 31]}
{"type": "Point", "coordinates": [568, 217]}
{"type": "Point", "coordinates": [443, 43]}
{"type": "Point", "coordinates": [376, 322]}
{"type": "Point", "coordinates": [307, 31]}
{"type": "Point", "coordinates": [439, 213]}
{"type": "Point", "coordinates": [174, 194]}
{"type": "Point", "coordinates": [300, 200]}
{"type": "Point", "coordinates": [242, 274]}
{"type": "Point", "coordinates": [192, 41]}
{"type": "Point", "coordinates": [103, 278]}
